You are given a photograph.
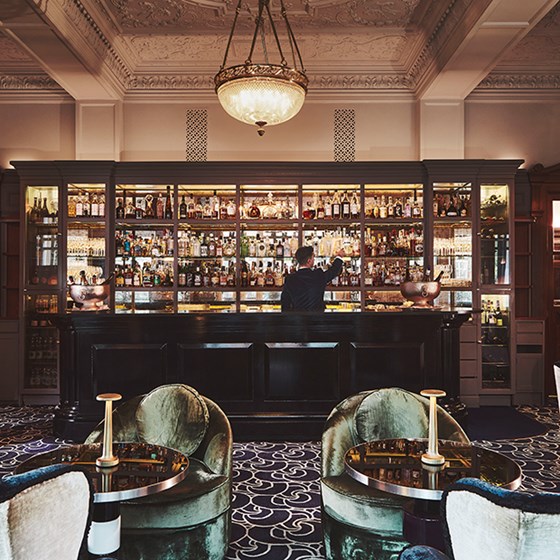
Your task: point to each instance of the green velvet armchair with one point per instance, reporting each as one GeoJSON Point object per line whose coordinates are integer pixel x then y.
{"type": "Point", "coordinates": [192, 519]}
{"type": "Point", "coordinates": [358, 521]}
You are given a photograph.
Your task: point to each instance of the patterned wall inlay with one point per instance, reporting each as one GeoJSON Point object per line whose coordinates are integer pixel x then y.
{"type": "Point", "coordinates": [344, 135]}
{"type": "Point", "coordinates": [197, 135]}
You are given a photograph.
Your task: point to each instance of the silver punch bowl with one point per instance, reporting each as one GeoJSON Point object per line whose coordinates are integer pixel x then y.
{"type": "Point", "coordinates": [90, 297]}
{"type": "Point", "coordinates": [421, 293]}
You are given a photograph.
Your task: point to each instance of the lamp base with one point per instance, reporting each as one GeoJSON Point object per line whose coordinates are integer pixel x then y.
{"type": "Point", "coordinates": [105, 462]}
{"type": "Point", "coordinates": [432, 459]}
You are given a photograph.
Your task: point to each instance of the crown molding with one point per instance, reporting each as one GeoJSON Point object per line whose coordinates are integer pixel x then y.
{"type": "Point", "coordinates": [520, 81]}
{"type": "Point", "coordinates": [29, 82]}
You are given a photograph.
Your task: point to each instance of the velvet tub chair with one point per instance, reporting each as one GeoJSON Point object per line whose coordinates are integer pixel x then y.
{"type": "Point", "coordinates": [484, 521]}
{"type": "Point", "coordinates": [192, 519]}
{"type": "Point", "coordinates": [45, 513]}
{"type": "Point", "coordinates": [358, 520]}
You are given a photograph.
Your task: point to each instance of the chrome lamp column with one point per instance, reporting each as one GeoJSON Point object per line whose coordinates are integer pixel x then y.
{"type": "Point", "coordinates": [432, 456]}
{"type": "Point", "coordinates": [107, 458]}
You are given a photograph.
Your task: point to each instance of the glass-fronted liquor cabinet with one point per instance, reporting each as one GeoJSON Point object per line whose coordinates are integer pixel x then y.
{"type": "Point", "coordinates": [221, 238]}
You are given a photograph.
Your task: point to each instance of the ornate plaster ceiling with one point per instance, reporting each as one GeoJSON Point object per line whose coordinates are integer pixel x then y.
{"type": "Point", "coordinates": [159, 47]}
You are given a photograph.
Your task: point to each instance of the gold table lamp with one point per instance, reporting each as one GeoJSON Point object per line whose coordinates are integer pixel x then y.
{"type": "Point", "coordinates": [107, 458]}
{"type": "Point", "coordinates": [432, 457]}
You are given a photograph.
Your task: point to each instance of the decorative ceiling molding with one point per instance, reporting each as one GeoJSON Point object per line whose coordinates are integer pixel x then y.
{"type": "Point", "coordinates": [205, 15]}
{"type": "Point", "coordinates": [36, 82]}
{"type": "Point", "coordinates": [501, 81]}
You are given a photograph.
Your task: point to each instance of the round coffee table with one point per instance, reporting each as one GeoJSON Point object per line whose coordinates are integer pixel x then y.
{"type": "Point", "coordinates": [143, 469]}
{"type": "Point", "coordinates": [395, 466]}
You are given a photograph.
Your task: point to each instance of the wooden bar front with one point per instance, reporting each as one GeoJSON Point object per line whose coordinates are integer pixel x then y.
{"type": "Point", "coordinates": [276, 376]}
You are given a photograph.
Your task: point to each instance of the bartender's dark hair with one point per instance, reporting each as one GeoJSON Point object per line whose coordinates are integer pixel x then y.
{"type": "Point", "coordinates": [303, 254]}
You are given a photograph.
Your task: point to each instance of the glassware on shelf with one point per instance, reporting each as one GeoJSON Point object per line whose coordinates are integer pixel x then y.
{"type": "Point", "coordinates": [264, 202]}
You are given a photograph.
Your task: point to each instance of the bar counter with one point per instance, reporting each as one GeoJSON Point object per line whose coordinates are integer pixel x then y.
{"type": "Point", "coordinates": [277, 376]}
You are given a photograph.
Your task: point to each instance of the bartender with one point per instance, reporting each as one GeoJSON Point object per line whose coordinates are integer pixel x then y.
{"type": "Point", "coordinates": [304, 290]}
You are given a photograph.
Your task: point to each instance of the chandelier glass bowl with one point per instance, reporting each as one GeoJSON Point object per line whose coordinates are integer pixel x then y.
{"type": "Point", "coordinates": [263, 94]}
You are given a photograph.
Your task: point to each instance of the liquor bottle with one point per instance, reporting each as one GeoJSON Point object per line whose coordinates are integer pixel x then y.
{"type": "Point", "coordinates": [335, 206]}
{"type": "Point", "coordinates": [328, 207]}
{"type": "Point", "coordinates": [354, 206]}
{"type": "Point", "coordinates": [94, 206]}
{"type": "Point", "coordinates": [320, 212]}
{"type": "Point", "coordinates": [129, 211]}
{"type": "Point", "coordinates": [398, 209]}
{"type": "Point", "coordinates": [452, 208]}
{"type": "Point", "coordinates": [71, 207]}
{"type": "Point", "coordinates": [383, 208]}
{"type": "Point", "coordinates": [345, 207]}
{"type": "Point", "coordinates": [244, 274]}
{"type": "Point", "coordinates": [168, 205]}
{"type": "Point", "coordinates": [138, 210]}
{"type": "Point", "coordinates": [230, 210]}
{"type": "Point", "coordinates": [280, 249]}
{"type": "Point", "coordinates": [407, 210]}
{"type": "Point", "coordinates": [499, 316]}
{"type": "Point", "coordinates": [215, 206]}
{"type": "Point", "coordinates": [309, 212]}
{"type": "Point", "coordinates": [86, 207]}
{"type": "Point", "coordinates": [102, 205]}
{"type": "Point", "coordinates": [390, 208]}
{"type": "Point", "coordinates": [183, 209]}
{"type": "Point", "coordinates": [120, 209]}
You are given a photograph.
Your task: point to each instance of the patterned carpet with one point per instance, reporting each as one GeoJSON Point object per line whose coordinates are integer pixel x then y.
{"type": "Point", "coordinates": [276, 508]}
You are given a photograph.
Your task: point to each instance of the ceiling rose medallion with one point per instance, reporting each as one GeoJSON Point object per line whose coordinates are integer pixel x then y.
{"type": "Point", "coordinates": [263, 93]}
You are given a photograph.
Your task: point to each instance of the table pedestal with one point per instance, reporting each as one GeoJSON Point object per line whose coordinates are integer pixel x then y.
{"type": "Point", "coordinates": [422, 524]}
{"type": "Point", "coordinates": [104, 535]}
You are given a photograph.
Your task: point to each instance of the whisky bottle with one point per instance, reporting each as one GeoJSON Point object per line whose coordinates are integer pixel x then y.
{"type": "Point", "coordinates": [119, 209]}
{"type": "Point", "coordinates": [183, 209]}
{"type": "Point", "coordinates": [335, 206]}
{"type": "Point", "coordinates": [345, 207]}
{"type": "Point", "coordinates": [320, 209]}
{"type": "Point", "coordinates": [168, 204]}
{"type": "Point", "coordinates": [354, 206]}
{"type": "Point", "coordinates": [383, 208]}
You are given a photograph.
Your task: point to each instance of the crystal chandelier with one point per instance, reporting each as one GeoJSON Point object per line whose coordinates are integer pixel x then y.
{"type": "Point", "coordinates": [263, 94]}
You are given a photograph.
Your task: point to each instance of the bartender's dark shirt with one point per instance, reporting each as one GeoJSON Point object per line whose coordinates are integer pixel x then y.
{"type": "Point", "coordinates": [304, 290]}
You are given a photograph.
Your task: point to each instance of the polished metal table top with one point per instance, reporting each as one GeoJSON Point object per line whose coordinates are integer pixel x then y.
{"type": "Point", "coordinates": [395, 466]}
{"type": "Point", "coordinates": [143, 468]}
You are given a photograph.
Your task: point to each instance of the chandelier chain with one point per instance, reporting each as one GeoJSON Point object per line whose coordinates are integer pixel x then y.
{"type": "Point", "coordinates": [237, 11]}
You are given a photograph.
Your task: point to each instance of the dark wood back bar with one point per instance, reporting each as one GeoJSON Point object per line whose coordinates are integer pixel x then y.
{"type": "Point", "coordinates": [276, 376]}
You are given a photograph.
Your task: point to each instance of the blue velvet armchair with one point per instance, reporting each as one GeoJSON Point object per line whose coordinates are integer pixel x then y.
{"type": "Point", "coordinates": [358, 520]}
{"type": "Point", "coordinates": [484, 521]}
{"type": "Point", "coordinates": [193, 519]}
{"type": "Point", "coordinates": [45, 513]}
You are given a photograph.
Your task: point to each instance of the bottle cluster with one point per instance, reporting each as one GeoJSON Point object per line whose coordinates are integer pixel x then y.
{"type": "Point", "coordinates": [329, 243]}
{"type": "Point", "coordinates": [407, 242]}
{"type": "Point", "coordinates": [146, 207]}
{"type": "Point", "coordinates": [47, 303]}
{"type": "Point", "coordinates": [394, 206]}
{"type": "Point", "coordinates": [213, 207]}
{"type": "Point", "coordinates": [266, 245]}
{"type": "Point", "coordinates": [86, 205]}
{"type": "Point", "coordinates": [451, 205]}
{"type": "Point", "coordinates": [45, 377]}
{"type": "Point", "coordinates": [148, 275]}
{"type": "Point", "coordinates": [40, 213]}
{"type": "Point", "coordinates": [338, 206]}
{"type": "Point", "coordinates": [42, 356]}
{"type": "Point", "coordinates": [391, 274]}
{"type": "Point", "coordinates": [46, 250]}
{"type": "Point", "coordinates": [492, 315]}
{"type": "Point", "coordinates": [264, 273]}
{"type": "Point", "coordinates": [144, 244]}
{"type": "Point", "coordinates": [190, 244]}
{"type": "Point", "coordinates": [205, 274]}
{"type": "Point", "coordinates": [269, 208]}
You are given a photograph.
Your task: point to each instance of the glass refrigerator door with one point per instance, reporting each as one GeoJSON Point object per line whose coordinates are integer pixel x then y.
{"type": "Point", "coordinates": [85, 239]}
{"type": "Point", "coordinates": [41, 293]}
{"type": "Point", "coordinates": [495, 341]}
{"type": "Point", "coordinates": [494, 235]}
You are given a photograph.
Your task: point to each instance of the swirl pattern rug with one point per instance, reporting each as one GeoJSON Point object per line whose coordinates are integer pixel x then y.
{"type": "Point", "coordinates": [276, 506]}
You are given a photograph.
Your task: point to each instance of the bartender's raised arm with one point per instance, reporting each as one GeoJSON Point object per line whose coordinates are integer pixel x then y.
{"type": "Point", "coordinates": [336, 267]}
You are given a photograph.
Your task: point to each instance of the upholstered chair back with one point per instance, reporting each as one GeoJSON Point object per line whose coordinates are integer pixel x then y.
{"type": "Point", "coordinates": [484, 521]}
{"type": "Point", "coordinates": [45, 514]}
{"type": "Point", "coordinates": [380, 414]}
